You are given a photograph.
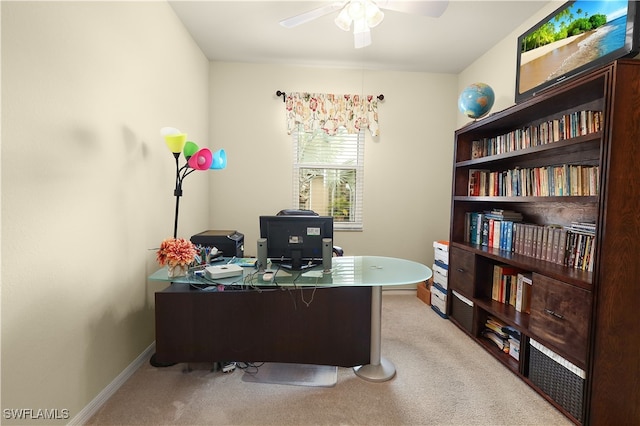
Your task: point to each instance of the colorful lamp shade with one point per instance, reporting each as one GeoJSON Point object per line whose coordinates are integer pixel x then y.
{"type": "Point", "coordinates": [219, 160]}
{"type": "Point", "coordinates": [176, 142]}
{"type": "Point", "coordinates": [189, 149]}
{"type": "Point", "coordinates": [201, 160]}
{"type": "Point", "coordinates": [197, 159]}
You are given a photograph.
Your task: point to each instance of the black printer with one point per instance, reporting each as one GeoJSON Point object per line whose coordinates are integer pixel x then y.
{"type": "Point", "coordinates": [230, 243]}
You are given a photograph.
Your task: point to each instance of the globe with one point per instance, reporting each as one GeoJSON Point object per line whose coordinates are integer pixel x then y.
{"type": "Point", "coordinates": [476, 100]}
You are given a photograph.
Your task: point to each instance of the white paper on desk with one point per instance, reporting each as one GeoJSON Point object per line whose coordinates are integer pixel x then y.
{"type": "Point", "coordinates": [313, 274]}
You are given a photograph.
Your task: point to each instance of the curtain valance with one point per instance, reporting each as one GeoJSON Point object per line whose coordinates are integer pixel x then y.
{"type": "Point", "coordinates": [328, 112]}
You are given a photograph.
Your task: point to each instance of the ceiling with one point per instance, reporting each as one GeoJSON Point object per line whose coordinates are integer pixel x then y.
{"type": "Point", "coordinates": [248, 31]}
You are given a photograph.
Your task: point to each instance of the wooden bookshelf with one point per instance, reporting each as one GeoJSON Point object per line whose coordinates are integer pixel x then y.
{"type": "Point", "coordinates": [587, 318]}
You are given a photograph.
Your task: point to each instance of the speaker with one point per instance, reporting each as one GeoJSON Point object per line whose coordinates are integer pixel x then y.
{"type": "Point", "coordinates": [262, 254]}
{"type": "Point", "coordinates": [327, 253]}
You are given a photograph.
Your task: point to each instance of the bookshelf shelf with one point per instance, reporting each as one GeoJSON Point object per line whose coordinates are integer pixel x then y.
{"type": "Point", "coordinates": [571, 146]}
{"type": "Point", "coordinates": [576, 254]}
{"type": "Point", "coordinates": [576, 277]}
{"type": "Point", "coordinates": [506, 313]}
{"type": "Point", "coordinates": [547, 199]}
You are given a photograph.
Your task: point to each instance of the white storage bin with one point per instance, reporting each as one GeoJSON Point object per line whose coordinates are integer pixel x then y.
{"type": "Point", "coordinates": [440, 276]}
{"type": "Point", "coordinates": [439, 301]}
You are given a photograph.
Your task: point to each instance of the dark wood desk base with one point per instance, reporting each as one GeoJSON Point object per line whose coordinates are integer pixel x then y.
{"type": "Point", "coordinates": [272, 325]}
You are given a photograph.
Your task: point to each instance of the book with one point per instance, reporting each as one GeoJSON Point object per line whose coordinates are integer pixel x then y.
{"type": "Point", "coordinates": [485, 232]}
{"type": "Point", "coordinates": [467, 227]}
{"type": "Point", "coordinates": [502, 344]}
{"type": "Point", "coordinates": [502, 287]}
{"type": "Point", "coordinates": [495, 285]}
{"type": "Point", "coordinates": [523, 292]}
{"type": "Point", "coordinates": [490, 232]}
{"type": "Point", "coordinates": [496, 225]}
{"type": "Point", "coordinates": [244, 261]}
{"type": "Point", "coordinates": [479, 218]}
{"type": "Point", "coordinates": [494, 331]}
{"type": "Point", "coordinates": [477, 149]}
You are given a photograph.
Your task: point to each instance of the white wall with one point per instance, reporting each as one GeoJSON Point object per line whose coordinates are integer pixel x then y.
{"type": "Point", "coordinates": [407, 168]}
{"type": "Point", "coordinates": [87, 188]}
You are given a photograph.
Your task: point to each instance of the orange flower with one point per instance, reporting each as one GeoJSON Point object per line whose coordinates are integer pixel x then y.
{"type": "Point", "coordinates": [176, 251]}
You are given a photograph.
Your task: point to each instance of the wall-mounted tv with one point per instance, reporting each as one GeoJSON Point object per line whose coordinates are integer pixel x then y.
{"type": "Point", "coordinates": [577, 37]}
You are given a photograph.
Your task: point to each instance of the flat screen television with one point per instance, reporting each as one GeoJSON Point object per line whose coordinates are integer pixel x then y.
{"type": "Point", "coordinates": [294, 241]}
{"type": "Point", "coordinates": [577, 37]}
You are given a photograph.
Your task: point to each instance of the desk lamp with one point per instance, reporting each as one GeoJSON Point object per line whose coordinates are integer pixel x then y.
{"type": "Point", "coordinates": [196, 159]}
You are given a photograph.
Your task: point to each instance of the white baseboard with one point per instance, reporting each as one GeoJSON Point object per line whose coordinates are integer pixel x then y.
{"type": "Point", "coordinates": [90, 409]}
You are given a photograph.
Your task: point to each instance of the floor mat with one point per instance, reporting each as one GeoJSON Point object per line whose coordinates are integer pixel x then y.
{"type": "Point", "coordinates": [294, 374]}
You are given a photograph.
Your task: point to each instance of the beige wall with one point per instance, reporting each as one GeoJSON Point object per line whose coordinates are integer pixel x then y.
{"type": "Point", "coordinates": [407, 167]}
{"type": "Point", "coordinates": [87, 188]}
{"type": "Point", "coordinates": [497, 67]}
{"type": "Point", "coordinates": [87, 182]}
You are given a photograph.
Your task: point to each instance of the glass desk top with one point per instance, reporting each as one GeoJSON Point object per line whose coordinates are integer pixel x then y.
{"type": "Point", "coordinates": [349, 271]}
{"type": "Point", "coordinates": [369, 271]}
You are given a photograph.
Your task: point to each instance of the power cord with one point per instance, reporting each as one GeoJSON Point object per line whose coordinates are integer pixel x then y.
{"type": "Point", "coordinates": [249, 367]}
{"type": "Point", "coordinates": [313, 293]}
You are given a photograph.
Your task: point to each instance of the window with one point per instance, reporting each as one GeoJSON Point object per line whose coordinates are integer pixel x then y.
{"type": "Point", "coordinates": [328, 175]}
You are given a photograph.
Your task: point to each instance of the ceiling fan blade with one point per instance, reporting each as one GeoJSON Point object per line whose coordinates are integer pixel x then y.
{"type": "Point", "coordinates": [312, 14]}
{"type": "Point", "coordinates": [432, 8]}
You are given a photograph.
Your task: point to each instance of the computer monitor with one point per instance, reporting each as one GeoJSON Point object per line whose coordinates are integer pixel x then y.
{"type": "Point", "coordinates": [295, 242]}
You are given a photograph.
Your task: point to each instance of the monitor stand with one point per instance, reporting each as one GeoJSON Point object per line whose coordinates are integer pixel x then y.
{"type": "Point", "coordinates": [297, 267]}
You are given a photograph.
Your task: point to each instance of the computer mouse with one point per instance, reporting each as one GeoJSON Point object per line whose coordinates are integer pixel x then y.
{"type": "Point", "coordinates": [268, 276]}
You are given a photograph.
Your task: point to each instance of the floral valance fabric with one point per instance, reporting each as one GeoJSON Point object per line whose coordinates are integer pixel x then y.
{"type": "Point", "coordinates": [328, 112]}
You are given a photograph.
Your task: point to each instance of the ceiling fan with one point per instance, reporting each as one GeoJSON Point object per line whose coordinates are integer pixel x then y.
{"type": "Point", "coordinates": [366, 14]}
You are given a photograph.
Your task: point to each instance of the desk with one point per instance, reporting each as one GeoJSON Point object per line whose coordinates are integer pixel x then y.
{"type": "Point", "coordinates": [256, 325]}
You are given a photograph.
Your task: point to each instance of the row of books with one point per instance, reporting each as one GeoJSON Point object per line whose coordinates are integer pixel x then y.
{"type": "Point", "coordinates": [568, 246]}
{"type": "Point", "coordinates": [505, 338]}
{"type": "Point", "coordinates": [571, 246]}
{"type": "Point", "coordinates": [560, 180]}
{"type": "Point", "coordinates": [512, 286]}
{"type": "Point", "coordinates": [568, 126]}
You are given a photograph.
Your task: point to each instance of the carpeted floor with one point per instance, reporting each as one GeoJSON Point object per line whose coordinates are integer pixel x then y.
{"type": "Point", "coordinates": [443, 378]}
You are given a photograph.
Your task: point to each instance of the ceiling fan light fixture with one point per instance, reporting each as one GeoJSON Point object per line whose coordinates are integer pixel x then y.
{"type": "Point", "coordinates": [362, 38]}
{"type": "Point", "coordinates": [373, 14]}
{"type": "Point", "coordinates": [356, 9]}
{"type": "Point", "coordinates": [343, 20]}
{"type": "Point", "coordinates": [360, 26]}
{"type": "Point", "coordinates": [364, 14]}
{"type": "Point", "coordinates": [361, 33]}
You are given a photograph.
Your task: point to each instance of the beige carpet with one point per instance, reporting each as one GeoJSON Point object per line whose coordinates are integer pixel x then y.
{"type": "Point", "coordinates": [443, 378]}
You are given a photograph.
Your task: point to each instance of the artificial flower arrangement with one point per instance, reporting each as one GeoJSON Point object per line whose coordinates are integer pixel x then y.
{"type": "Point", "coordinates": [176, 252]}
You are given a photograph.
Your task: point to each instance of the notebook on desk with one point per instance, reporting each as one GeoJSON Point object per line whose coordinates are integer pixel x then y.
{"type": "Point", "coordinates": [244, 261]}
